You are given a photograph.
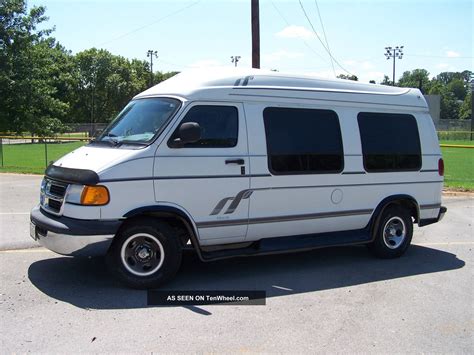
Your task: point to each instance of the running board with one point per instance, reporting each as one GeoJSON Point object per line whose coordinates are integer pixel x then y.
{"type": "Point", "coordinates": [289, 244]}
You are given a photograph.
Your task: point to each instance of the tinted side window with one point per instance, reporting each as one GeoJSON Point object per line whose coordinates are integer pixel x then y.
{"type": "Point", "coordinates": [303, 141]}
{"type": "Point", "coordinates": [390, 142]}
{"type": "Point", "coordinates": [219, 126]}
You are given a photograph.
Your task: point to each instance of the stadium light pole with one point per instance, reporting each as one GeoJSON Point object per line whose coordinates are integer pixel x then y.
{"type": "Point", "coordinates": [394, 53]}
{"type": "Point", "coordinates": [150, 54]}
{"type": "Point", "coordinates": [235, 59]}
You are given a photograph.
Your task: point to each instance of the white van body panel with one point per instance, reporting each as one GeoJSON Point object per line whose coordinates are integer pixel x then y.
{"type": "Point", "coordinates": [95, 158]}
{"type": "Point", "coordinates": [198, 182]}
{"type": "Point", "coordinates": [199, 178]}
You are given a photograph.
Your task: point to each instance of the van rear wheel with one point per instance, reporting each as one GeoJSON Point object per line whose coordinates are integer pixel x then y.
{"type": "Point", "coordinates": [393, 234]}
{"type": "Point", "coordinates": [145, 254]}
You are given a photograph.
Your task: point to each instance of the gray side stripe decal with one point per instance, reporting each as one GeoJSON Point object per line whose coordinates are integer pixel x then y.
{"type": "Point", "coordinates": [184, 177]}
{"type": "Point", "coordinates": [274, 219]}
{"type": "Point", "coordinates": [421, 108]}
{"type": "Point", "coordinates": [430, 207]}
{"type": "Point", "coordinates": [220, 205]}
{"type": "Point", "coordinates": [242, 195]}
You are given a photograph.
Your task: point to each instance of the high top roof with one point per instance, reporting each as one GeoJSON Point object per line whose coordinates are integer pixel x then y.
{"type": "Point", "coordinates": [255, 84]}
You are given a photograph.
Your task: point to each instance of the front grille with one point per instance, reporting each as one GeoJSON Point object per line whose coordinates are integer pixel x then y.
{"type": "Point", "coordinates": [52, 195]}
{"type": "Point", "coordinates": [57, 190]}
{"type": "Point", "coordinates": [54, 205]}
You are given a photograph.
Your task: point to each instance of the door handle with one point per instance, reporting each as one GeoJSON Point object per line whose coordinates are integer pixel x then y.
{"type": "Point", "coordinates": [235, 161]}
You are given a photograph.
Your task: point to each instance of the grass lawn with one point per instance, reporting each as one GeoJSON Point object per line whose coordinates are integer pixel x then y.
{"type": "Point", "coordinates": [459, 167]}
{"type": "Point", "coordinates": [30, 158]}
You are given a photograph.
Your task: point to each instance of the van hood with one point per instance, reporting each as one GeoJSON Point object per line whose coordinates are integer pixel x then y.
{"type": "Point", "coordinates": [96, 159]}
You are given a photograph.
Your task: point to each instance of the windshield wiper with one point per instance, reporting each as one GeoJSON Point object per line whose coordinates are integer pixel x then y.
{"type": "Point", "coordinates": [133, 142]}
{"type": "Point", "coordinates": [111, 139]}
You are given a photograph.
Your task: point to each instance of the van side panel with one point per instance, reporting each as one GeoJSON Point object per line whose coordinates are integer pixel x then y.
{"type": "Point", "coordinates": [311, 203]}
{"type": "Point", "coordinates": [209, 183]}
{"type": "Point", "coordinates": [431, 155]}
{"type": "Point", "coordinates": [317, 203]}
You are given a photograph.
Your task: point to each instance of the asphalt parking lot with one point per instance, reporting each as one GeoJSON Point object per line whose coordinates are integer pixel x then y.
{"type": "Point", "coordinates": [330, 300]}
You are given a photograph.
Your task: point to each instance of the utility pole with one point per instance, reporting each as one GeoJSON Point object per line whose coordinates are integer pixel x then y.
{"type": "Point", "coordinates": [255, 34]}
{"type": "Point", "coordinates": [150, 54]}
{"type": "Point", "coordinates": [235, 59]}
{"type": "Point", "coordinates": [394, 53]}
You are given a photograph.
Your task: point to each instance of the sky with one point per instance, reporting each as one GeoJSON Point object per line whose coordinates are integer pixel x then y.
{"type": "Point", "coordinates": [437, 35]}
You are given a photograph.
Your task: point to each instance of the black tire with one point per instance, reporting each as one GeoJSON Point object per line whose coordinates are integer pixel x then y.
{"type": "Point", "coordinates": [393, 234]}
{"type": "Point", "coordinates": [145, 254]}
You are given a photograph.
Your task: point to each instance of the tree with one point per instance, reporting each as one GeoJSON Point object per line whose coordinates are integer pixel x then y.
{"type": "Point", "coordinates": [446, 77]}
{"type": "Point", "coordinates": [453, 88]}
{"type": "Point", "coordinates": [436, 87]}
{"type": "Point", "coordinates": [159, 76]}
{"type": "Point", "coordinates": [348, 77]}
{"type": "Point", "coordinates": [105, 84]}
{"type": "Point", "coordinates": [458, 88]}
{"type": "Point", "coordinates": [465, 112]}
{"type": "Point", "coordinates": [29, 97]}
{"type": "Point", "coordinates": [418, 78]}
{"type": "Point", "coordinates": [449, 105]}
{"type": "Point", "coordinates": [386, 81]}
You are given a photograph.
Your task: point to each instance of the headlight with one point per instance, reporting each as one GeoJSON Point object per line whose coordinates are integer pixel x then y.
{"type": "Point", "coordinates": [43, 184]}
{"type": "Point", "coordinates": [73, 194]}
{"type": "Point", "coordinates": [88, 195]}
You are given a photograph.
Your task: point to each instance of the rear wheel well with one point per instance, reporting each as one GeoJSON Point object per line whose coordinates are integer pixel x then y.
{"type": "Point", "coordinates": [406, 202]}
{"type": "Point", "coordinates": [410, 206]}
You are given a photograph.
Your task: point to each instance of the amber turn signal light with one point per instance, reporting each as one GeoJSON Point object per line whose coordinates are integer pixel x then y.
{"type": "Point", "coordinates": [95, 196]}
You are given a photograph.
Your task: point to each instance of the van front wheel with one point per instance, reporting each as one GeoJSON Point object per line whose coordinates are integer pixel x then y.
{"type": "Point", "coordinates": [393, 234]}
{"type": "Point", "coordinates": [145, 254]}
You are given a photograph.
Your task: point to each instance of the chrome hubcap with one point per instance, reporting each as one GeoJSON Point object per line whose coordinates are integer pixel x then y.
{"type": "Point", "coordinates": [394, 232]}
{"type": "Point", "coordinates": [142, 254]}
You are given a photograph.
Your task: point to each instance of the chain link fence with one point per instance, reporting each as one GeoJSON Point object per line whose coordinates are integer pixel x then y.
{"type": "Point", "coordinates": [26, 154]}
{"type": "Point", "coordinates": [455, 135]}
{"type": "Point", "coordinates": [33, 154]}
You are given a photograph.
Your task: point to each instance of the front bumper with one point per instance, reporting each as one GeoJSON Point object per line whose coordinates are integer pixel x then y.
{"type": "Point", "coordinates": [69, 236]}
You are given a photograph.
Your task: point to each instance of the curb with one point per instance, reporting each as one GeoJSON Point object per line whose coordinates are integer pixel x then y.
{"type": "Point", "coordinates": [20, 174]}
{"type": "Point", "coordinates": [453, 193]}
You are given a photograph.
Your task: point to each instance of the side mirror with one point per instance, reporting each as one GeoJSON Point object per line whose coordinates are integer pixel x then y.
{"type": "Point", "coordinates": [189, 132]}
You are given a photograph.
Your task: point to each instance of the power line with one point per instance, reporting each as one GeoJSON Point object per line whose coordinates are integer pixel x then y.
{"type": "Point", "coordinates": [288, 24]}
{"type": "Point", "coordinates": [175, 65]}
{"type": "Point", "coordinates": [152, 23]}
{"type": "Point", "coordinates": [437, 56]}
{"type": "Point", "coordinates": [319, 38]}
{"type": "Point", "coordinates": [325, 38]}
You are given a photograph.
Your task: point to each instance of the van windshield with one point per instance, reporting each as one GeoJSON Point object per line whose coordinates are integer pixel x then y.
{"type": "Point", "coordinates": [140, 121]}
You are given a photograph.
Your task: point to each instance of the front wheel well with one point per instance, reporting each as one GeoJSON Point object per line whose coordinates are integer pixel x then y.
{"type": "Point", "coordinates": [182, 228]}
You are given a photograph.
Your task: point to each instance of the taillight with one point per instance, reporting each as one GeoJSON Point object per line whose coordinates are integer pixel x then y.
{"type": "Point", "coordinates": [441, 167]}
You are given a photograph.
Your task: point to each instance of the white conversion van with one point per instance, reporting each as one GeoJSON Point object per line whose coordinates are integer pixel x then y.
{"type": "Point", "coordinates": [240, 163]}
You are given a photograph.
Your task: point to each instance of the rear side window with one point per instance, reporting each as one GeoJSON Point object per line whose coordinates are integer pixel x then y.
{"type": "Point", "coordinates": [390, 142]}
{"type": "Point", "coordinates": [219, 126]}
{"type": "Point", "coordinates": [303, 141]}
